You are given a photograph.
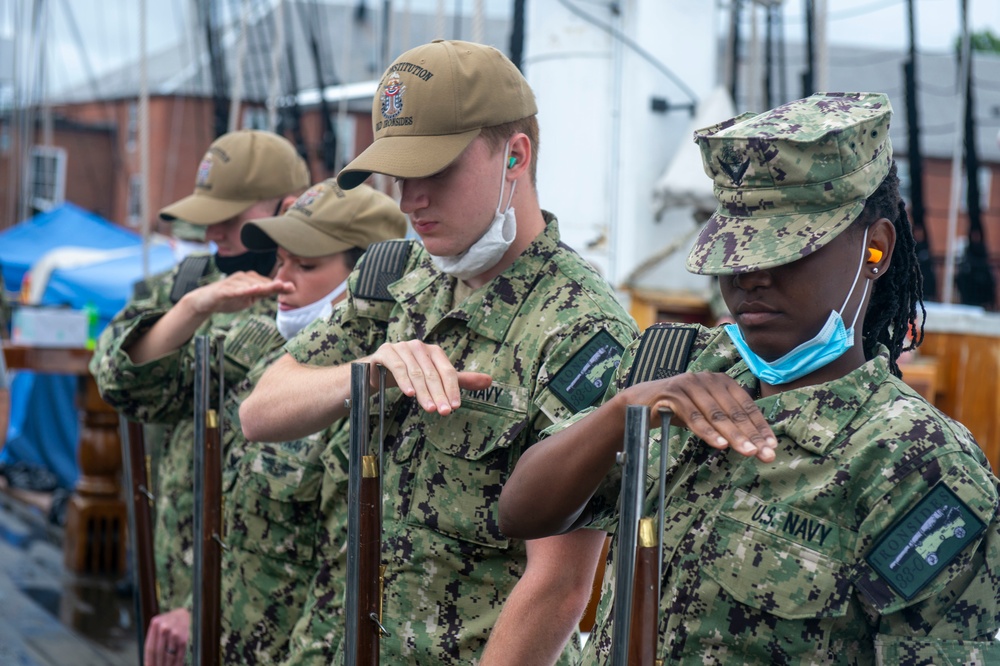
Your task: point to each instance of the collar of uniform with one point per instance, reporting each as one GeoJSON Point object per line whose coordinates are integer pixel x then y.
{"type": "Point", "coordinates": [818, 417]}
{"type": "Point", "coordinates": [490, 310]}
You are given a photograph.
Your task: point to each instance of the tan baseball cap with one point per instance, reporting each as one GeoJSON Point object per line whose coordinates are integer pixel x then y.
{"type": "Point", "coordinates": [432, 102]}
{"type": "Point", "coordinates": [238, 170]}
{"type": "Point", "coordinates": [327, 220]}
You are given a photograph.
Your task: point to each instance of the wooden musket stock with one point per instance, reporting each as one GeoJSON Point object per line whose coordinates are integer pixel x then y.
{"type": "Point", "coordinates": [365, 575]}
{"type": "Point", "coordinates": [208, 544]}
{"type": "Point", "coordinates": [141, 525]}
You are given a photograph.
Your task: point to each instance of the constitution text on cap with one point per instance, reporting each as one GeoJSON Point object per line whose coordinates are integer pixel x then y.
{"type": "Point", "coordinates": [432, 102]}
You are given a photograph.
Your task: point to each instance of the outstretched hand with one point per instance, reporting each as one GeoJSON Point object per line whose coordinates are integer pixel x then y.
{"type": "Point", "coordinates": [424, 372]}
{"type": "Point", "coordinates": [236, 292]}
{"type": "Point", "coordinates": [714, 407]}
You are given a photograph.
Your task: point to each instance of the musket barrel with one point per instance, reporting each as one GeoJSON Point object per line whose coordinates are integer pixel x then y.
{"type": "Point", "coordinates": [364, 528]}
{"type": "Point", "coordinates": [633, 459]}
{"type": "Point", "coordinates": [206, 638]}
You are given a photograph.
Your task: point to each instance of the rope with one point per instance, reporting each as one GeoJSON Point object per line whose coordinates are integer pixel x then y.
{"type": "Point", "coordinates": [274, 87]}
{"type": "Point", "coordinates": [144, 138]}
{"type": "Point", "coordinates": [241, 53]}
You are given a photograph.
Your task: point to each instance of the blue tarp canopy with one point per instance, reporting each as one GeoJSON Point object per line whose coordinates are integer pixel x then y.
{"type": "Point", "coordinates": [43, 422]}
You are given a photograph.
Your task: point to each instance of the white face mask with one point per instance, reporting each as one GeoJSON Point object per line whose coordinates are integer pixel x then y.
{"type": "Point", "coordinates": [486, 252]}
{"type": "Point", "coordinates": [290, 322]}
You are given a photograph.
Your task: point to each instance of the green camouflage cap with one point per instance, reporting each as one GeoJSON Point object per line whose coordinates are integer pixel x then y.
{"type": "Point", "coordinates": [789, 180]}
{"type": "Point", "coordinates": [327, 220]}
{"type": "Point", "coordinates": [432, 102]}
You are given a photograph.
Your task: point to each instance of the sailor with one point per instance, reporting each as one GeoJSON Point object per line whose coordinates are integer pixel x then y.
{"type": "Point", "coordinates": [825, 548]}
{"type": "Point", "coordinates": [141, 362]}
{"type": "Point", "coordinates": [486, 298]}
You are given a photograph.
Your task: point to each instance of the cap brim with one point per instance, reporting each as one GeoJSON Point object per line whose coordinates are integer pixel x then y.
{"type": "Point", "coordinates": [204, 210]}
{"type": "Point", "coordinates": [292, 235]}
{"type": "Point", "coordinates": [728, 245]}
{"type": "Point", "coordinates": [405, 157]}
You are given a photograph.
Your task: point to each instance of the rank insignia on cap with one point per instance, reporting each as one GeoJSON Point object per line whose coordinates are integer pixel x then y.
{"type": "Point", "coordinates": [585, 377]}
{"type": "Point", "coordinates": [204, 169]}
{"type": "Point", "coordinates": [924, 541]}
{"type": "Point", "coordinates": [735, 171]}
{"type": "Point", "coordinates": [392, 97]}
{"type": "Point", "coordinates": [307, 199]}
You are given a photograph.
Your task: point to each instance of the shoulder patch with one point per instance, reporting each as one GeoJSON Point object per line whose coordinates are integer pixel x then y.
{"type": "Point", "coordinates": [663, 352]}
{"type": "Point", "coordinates": [383, 264]}
{"type": "Point", "coordinates": [585, 377]}
{"type": "Point", "coordinates": [924, 541]}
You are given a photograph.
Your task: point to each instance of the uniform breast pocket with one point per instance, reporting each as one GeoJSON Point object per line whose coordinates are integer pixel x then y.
{"type": "Point", "coordinates": [461, 471]}
{"type": "Point", "coordinates": [771, 578]}
{"type": "Point", "coordinates": [275, 506]}
{"type": "Point", "coordinates": [787, 579]}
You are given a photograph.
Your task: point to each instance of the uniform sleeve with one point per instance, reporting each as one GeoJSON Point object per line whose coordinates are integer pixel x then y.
{"type": "Point", "coordinates": [603, 506]}
{"type": "Point", "coordinates": [578, 367]}
{"type": "Point", "coordinates": [930, 566]}
{"type": "Point", "coordinates": [161, 390]}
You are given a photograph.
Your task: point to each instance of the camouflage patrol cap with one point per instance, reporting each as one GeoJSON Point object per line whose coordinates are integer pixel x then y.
{"type": "Point", "coordinates": [238, 170]}
{"type": "Point", "coordinates": [789, 180]}
{"type": "Point", "coordinates": [432, 102]}
{"type": "Point", "coordinates": [327, 220]}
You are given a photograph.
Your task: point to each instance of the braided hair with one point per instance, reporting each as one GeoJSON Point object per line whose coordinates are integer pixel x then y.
{"type": "Point", "coordinates": [892, 311]}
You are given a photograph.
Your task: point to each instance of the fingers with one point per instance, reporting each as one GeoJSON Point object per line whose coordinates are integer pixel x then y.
{"type": "Point", "coordinates": [166, 641]}
{"type": "Point", "coordinates": [425, 373]}
{"type": "Point", "coordinates": [236, 292]}
{"type": "Point", "coordinates": [717, 410]}
{"type": "Point", "coordinates": [474, 381]}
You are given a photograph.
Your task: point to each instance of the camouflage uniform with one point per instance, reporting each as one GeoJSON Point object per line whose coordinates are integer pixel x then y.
{"type": "Point", "coordinates": [273, 524]}
{"type": "Point", "coordinates": [160, 392]}
{"type": "Point", "coordinates": [533, 329]}
{"type": "Point", "coordinates": [805, 560]}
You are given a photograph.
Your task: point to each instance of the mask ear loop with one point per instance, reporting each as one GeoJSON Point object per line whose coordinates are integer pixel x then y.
{"type": "Point", "coordinates": [503, 180]}
{"type": "Point", "coordinates": [861, 263]}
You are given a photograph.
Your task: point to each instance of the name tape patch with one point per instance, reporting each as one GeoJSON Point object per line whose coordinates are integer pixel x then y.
{"type": "Point", "coordinates": [585, 377]}
{"type": "Point", "coordinates": [924, 541]}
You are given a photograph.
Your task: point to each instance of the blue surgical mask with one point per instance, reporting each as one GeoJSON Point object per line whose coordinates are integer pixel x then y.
{"type": "Point", "coordinates": [832, 341]}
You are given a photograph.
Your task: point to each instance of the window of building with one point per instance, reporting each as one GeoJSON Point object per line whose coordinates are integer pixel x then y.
{"type": "Point", "coordinates": [255, 118]}
{"type": "Point", "coordinates": [132, 133]}
{"type": "Point", "coordinates": [48, 177]}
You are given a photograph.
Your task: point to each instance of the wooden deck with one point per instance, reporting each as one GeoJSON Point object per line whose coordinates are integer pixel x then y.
{"type": "Point", "coordinates": [49, 617]}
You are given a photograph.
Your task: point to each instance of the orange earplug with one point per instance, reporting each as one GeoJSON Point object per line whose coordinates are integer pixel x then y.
{"type": "Point", "coordinates": [874, 255]}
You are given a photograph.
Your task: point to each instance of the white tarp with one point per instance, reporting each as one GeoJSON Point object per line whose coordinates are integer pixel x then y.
{"type": "Point", "coordinates": [684, 183]}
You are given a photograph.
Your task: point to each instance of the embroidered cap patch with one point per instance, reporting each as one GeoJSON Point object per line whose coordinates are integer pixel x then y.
{"type": "Point", "coordinates": [924, 541]}
{"type": "Point", "coordinates": [585, 377]}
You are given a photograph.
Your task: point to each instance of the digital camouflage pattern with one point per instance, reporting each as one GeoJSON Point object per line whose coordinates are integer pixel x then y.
{"type": "Point", "coordinates": [273, 527]}
{"type": "Point", "coordinates": [449, 566]}
{"type": "Point", "coordinates": [779, 562]}
{"type": "Point", "coordinates": [161, 391]}
{"type": "Point", "coordinates": [789, 180]}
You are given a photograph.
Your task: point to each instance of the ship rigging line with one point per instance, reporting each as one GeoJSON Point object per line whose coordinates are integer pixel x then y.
{"type": "Point", "coordinates": [641, 52]}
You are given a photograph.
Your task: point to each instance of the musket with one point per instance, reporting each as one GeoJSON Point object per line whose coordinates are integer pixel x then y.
{"type": "Point", "coordinates": [639, 563]}
{"type": "Point", "coordinates": [365, 574]}
{"type": "Point", "coordinates": [208, 544]}
{"type": "Point", "coordinates": [140, 524]}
